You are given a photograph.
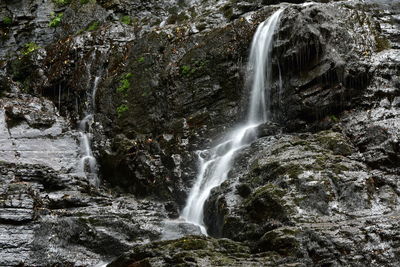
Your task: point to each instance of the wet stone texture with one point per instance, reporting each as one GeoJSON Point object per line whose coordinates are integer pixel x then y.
{"type": "Point", "coordinates": [306, 187]}
{"type": "Point", "coordinates": [49, 212]}
{"type": "Point", "coordinates": [318, 188]}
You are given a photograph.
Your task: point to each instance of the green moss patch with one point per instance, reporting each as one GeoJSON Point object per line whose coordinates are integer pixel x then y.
{"type": "Point", "coordinates": [7, 20]}
{"type": "Point", "coordinates": [61, 2]}
{"type": "Point", "coordinates": [191, 244]}
{"type": "Point", "coordinates": [140, 60]}
{"type": "Point", "coordinates": [186, 70]}
{"type": "Point", "coordinates": [266, 203]}
{"type": "Point", "coordinates": [29, 48]}
{"type": "Point", "coordinates": [124, 83]}
{"type": "Point", "coordinates": [121, 110]}
{"type": "Point", "coordinates": [126, 20]}
{"type": "Point", "coordinates": [334, 142]}
{"type": "Point", "coordinates": [93, 26]}
{"type": "Point", "coordinates": [196, 67]}
{"type": "Point", "coordinates": [55, 19]}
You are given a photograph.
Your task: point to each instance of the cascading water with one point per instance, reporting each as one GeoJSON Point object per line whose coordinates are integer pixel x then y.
{"type": "Point", "coordinates": [215, 163]}
{"type": "Point", "coordinates": [88, 161]}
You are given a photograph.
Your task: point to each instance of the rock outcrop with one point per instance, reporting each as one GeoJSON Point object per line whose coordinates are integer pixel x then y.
{"type": "Point", "coordinates": [50, 213]}
{"type": "Point", "coordinates": [167, 78]}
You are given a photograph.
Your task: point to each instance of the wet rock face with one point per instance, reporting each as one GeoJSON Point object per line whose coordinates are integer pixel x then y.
{"type": "Point", "coordinates": [314, 184]}
{"type": "Point", "coordinates": [150, 123]}
{"type": "Point", "coordinates": [22, 22]}
{"type": "Point", "coordinates": [374, 129]}
{"type": "Point", "coordinates": [173, 111]}
{"type": "Point", "coordinates": [32, 133]}
{"type": "Point", "coordinates": [352, 170]}
{"type": "Point", "coordinates": [320, 186]}
{"type": "Point", "coordinates": [49, 211]}
{"type": "Point", "coordinates": [194, 251]}
{"type": "Point", "coordinates": [303, 194]}
{"type": "Point", "coordinates": [322, 57]}
{"type": "Point", "coordinates": [177, 81]}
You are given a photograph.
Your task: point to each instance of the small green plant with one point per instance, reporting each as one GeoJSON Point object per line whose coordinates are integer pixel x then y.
{"type": "Point", "coordinates": [55, 19]}
{"type": "Point", "coordinates": [198, 65]}
{"type": "Point", "coordinates": [126, 20]}
{"type": "Point", "coordinates": [29, 48]}
{"type": "Point", "coordinates": [121, 110]}
{"type": "Point", "coordinates": [124, 83]}
{"type": "Point", "coordinates": [333, 118]}
{"type": "Point", "coordinates": [61, 2]}
{"type": "Point", "coordinates": [186, 70]}
{"type": "Point", "coordinates": [7, 20]}
{"type": "Point", "coordinates": [84, 2]}
{"type": "Point", "coordinates": [93, 26]}
{"type": "Point", "coordinates": [140, 60]}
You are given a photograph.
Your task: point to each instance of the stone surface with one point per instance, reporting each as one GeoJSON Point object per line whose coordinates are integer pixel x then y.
{"type": "Point", "coordinates": [319, 187]}
{"type": "Point", "coordinates": [194, 251]}
{"type": "Point", "coordinates": [49, 211]}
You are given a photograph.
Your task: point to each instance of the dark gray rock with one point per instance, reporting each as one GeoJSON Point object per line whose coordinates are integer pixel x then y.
{"type": "Point", "coordinates": [306, 187]}
{"type": "Point", "coordinates": [196, 251]}
{"type": "Point", "coordinates": [319, 187]}
{"type": "Point", "coordinates": [49, 211]}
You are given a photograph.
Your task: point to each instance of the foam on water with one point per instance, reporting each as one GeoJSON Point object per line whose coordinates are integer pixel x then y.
{"type": "Point", "coordinates": [215, 163]}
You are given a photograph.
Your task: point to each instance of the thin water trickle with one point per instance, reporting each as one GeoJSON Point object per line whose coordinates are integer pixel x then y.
{"type": "Point", "coordinates": [280, 85]}
{"type": "Point", "coordinates": [95, 85]}
{"type": "Point", "coordinates": [88, 163]}
{"type": "Point", "coordinates": [215, 163]}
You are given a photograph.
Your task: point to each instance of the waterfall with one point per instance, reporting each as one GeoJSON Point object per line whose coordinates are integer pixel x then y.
{"type": "Point", "coordinates": [88, 161]}
{"type": "Point", "coordinates": [215, 163]}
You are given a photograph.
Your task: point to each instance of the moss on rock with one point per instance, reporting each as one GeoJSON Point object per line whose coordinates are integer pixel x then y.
{"type": "Point", "coordinates": [266, 203]}
{"type": "Point", "coordinates": [194, 251]}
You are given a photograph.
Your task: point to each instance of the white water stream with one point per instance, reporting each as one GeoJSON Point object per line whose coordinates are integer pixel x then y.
{"type": "Point", "coordinates": [88, 161]}
{"type": "Point", "coordinates": [215, 163]}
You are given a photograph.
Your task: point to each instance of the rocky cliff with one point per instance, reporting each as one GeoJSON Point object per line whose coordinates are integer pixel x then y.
{"type": "Point", "coordinates": [163, 79]}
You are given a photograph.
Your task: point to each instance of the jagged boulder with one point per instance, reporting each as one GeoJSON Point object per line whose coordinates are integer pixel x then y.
{"type": "Point", "coordinates": [50, 213]}
{"type": "Point", "coordinates": [197, 251]}
{"type": "Point", "coordinates": [301, 183]}
{"type": "Point", "coordinates": [320, 187]}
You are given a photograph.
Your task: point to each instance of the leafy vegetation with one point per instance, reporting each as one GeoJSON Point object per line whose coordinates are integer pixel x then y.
{"type": "Point", "coordinates": [29, 48]}
{"type": "Point", "coordinates": [187, 70]}
{"type": "Point", "coordinates": [140, 60]}
{"type": "Point", "coordinates": [121, 110]}
{"type": "Point", "coordinates": [7, 20]}
{"type": "Point", "coordinates": [61, 2]}
{"type": "Point", "coordinates": [91, 27]}
{"type": "Point", "coordinates": [124, 83]}
{"type": "Point", "coordinates": [55, 19]}
{"type": "Point", "coordinates": [126, 20]}
{"type": "Point", "coordinates": [333, 118]}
